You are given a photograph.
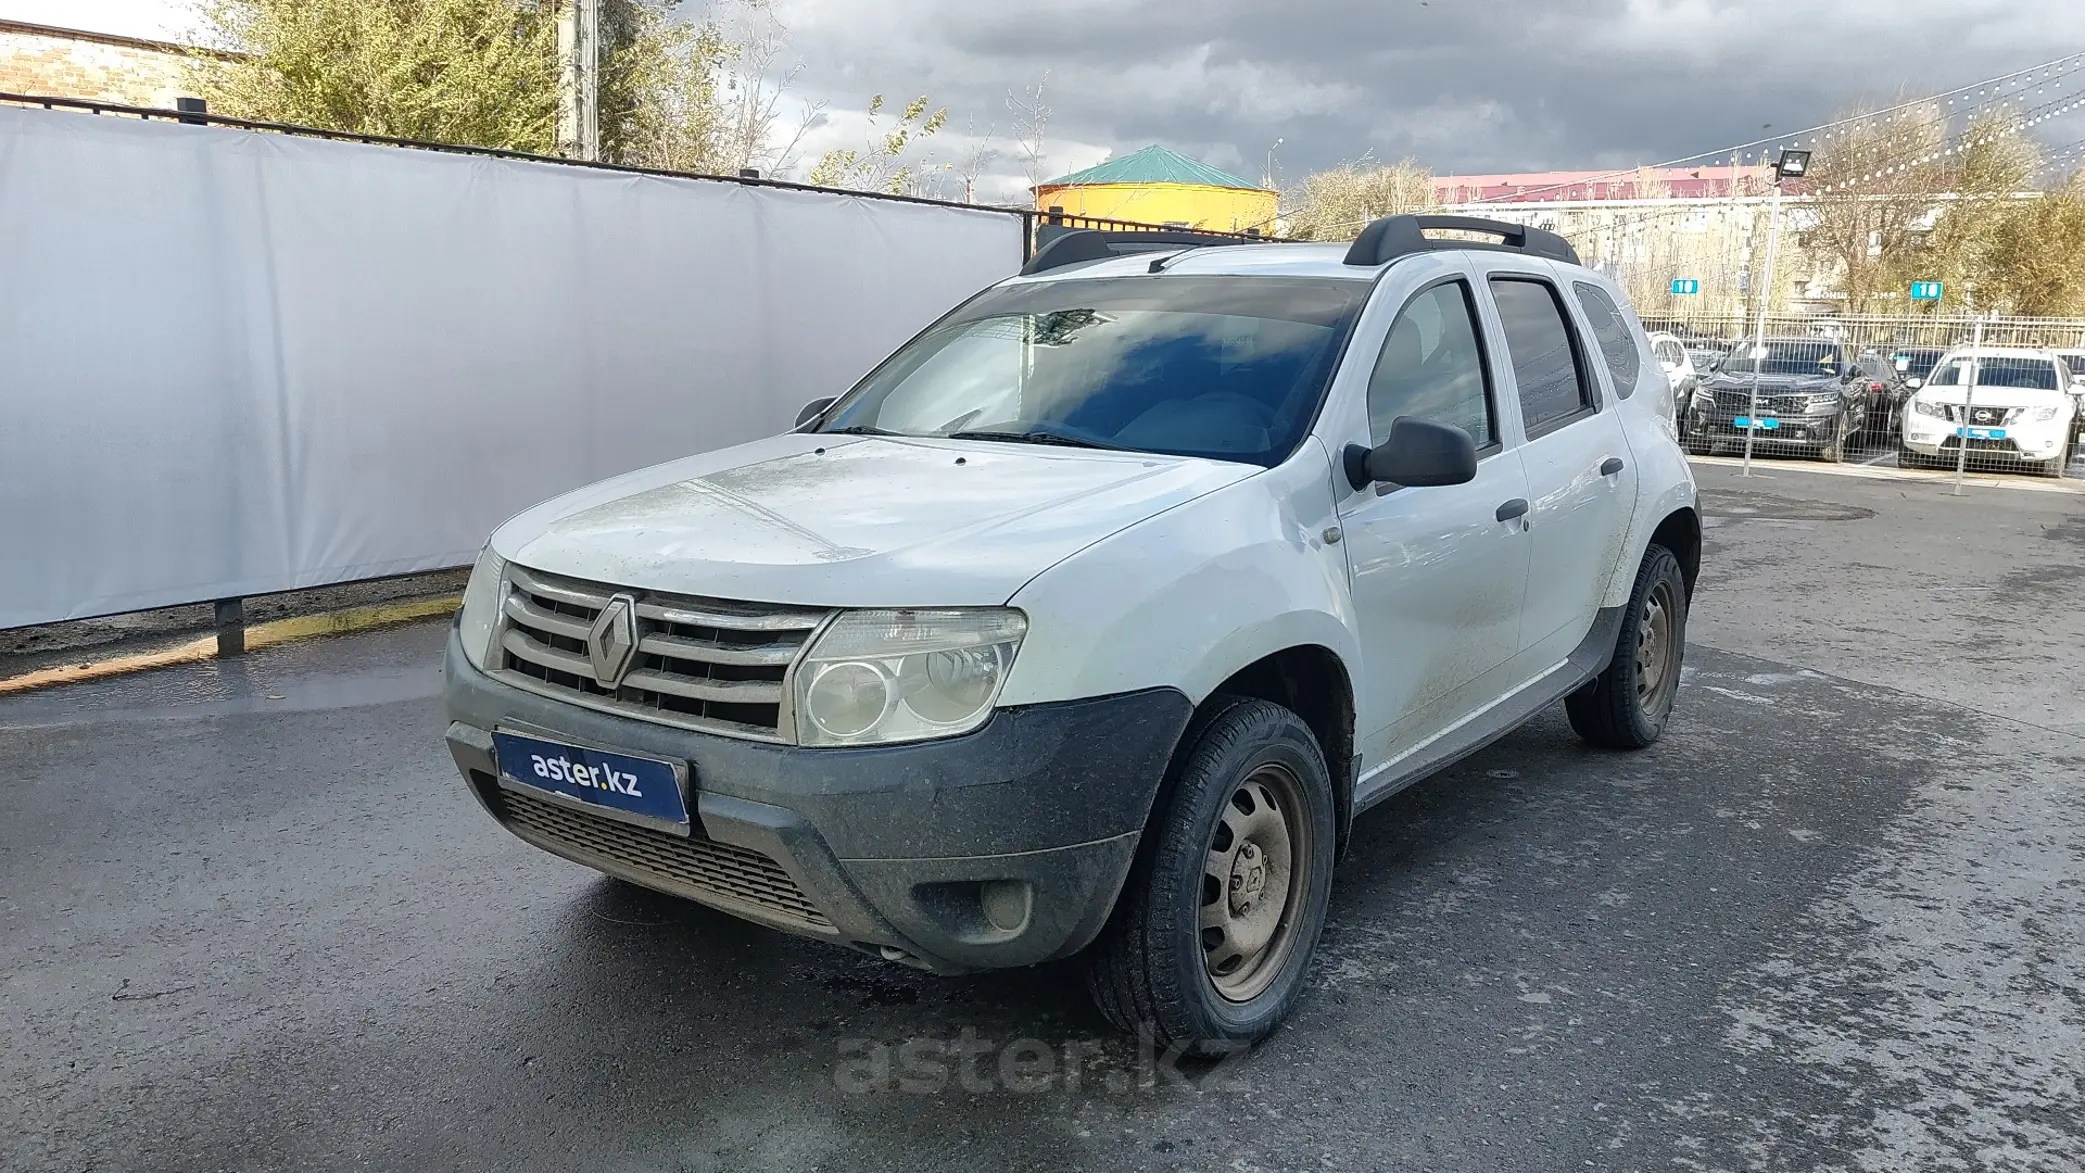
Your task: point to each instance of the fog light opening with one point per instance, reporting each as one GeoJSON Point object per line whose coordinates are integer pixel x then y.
{"type": "Point", "coordinates": [1007, 903]}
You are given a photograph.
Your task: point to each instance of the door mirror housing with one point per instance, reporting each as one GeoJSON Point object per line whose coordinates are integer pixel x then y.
{"type": "Point", "coordinates": [813, 410]}
{"type": "Point", "coordinates": [1419, 453]}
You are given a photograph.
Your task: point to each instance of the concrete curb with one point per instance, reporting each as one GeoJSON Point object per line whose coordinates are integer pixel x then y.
{"type": "Point", "coordinates": [279, 631]}
{"type": "Point", "coordinates": [1766, 469]}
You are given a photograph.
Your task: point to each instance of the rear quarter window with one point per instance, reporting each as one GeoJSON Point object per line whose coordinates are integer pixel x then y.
{"type": "Point", "coordinates": [1613, 333]}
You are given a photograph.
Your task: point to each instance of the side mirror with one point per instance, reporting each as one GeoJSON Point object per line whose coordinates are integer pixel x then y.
{"type": "Point", "coordinates": [813, 410]}
{"type": "Point", "coordinates": [1914, 382]}
{"type": "Point", "coordinates": [1419, 453]}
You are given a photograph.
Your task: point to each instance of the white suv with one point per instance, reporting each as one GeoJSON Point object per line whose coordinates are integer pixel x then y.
{"type": "Point", "coordinates": [2020, 410]}
{"type": "Point", "coordinates": [1087, 622]}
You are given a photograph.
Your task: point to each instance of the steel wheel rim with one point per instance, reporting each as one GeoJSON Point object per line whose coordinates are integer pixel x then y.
{"type": "Point", "coordinates": [1655, 644]}
{"type": "Point", "coordinates": [1254, 873]}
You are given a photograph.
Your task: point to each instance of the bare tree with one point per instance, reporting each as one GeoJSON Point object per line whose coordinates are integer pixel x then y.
{"type": "Point", "coordinates": [977, 157]}
{"type": "Point", "coordinates": [1874, 184]}
{"type": "Point", "coordinates": [1337, 204]}
{"type": "Point", "coordinates": [1031, 129]}
{"type": "Point", "coordinates": [756, 86]}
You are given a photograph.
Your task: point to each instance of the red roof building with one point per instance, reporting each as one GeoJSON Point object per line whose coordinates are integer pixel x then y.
{"type": "Point", "coordinates": [1643, 183]}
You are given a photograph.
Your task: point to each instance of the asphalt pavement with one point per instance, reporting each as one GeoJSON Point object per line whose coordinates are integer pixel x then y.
{"type": "Point", "coordinates": [250, 920]}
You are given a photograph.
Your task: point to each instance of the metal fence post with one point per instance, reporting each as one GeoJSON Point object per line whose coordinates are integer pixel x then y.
{"type": "Point", "coordinates": [1976, 354]}
{"type": "Point", "coordinates": [231, 627]}
{"type": "Point", "coordinates": [1766, 303]}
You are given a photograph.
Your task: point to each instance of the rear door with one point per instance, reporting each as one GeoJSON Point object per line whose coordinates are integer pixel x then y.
{"type": "Point", "coordinates": [1581, 479]}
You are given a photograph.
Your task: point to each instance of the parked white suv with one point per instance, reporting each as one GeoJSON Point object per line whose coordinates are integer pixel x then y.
{"type": "Point", "coordinates": [1088, 621]}
{"type": "Point", "coordinates": [2020, 410]}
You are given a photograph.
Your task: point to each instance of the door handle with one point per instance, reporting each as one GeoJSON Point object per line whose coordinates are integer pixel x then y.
{"type": "Point", "coordinates": [1610, 466]}
{"type": "Point", "coordinates": [1517, 507]}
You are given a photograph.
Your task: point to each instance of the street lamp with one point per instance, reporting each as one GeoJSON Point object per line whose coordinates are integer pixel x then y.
{"type": "Point", "coordinates": [1791, 165]}
{"type": "Point", "coordinates": [1268, 179]}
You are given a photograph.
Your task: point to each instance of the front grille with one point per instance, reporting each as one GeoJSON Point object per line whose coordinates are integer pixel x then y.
{"type": "Point", "coordinates": [701, 869]}
{"type": "Point", "coordinates": [705, 664]}
{"type": "Point", "coordinates": [1982, 417]}
{"type": "Point", "coordinates": [1738, 402]}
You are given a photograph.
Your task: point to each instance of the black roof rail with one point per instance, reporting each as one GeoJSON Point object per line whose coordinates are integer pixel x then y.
{"type": "Point", "coordinates": [1093, 244]}
{"type": "Point", "coordinates": [1392, 237]}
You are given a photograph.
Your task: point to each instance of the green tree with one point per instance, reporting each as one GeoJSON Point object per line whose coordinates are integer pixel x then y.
{"type": "Point", "coordinates": [473, 72]}
{"type": "Point", "coordinates": [477, 73]}
{"type": "Point", "coordinates": [884, 165]}
{"type": "Point", "coordinates": [2031, 260]}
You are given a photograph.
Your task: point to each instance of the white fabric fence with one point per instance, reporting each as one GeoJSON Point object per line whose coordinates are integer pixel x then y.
{"type": "Point", "coordinates": [234, 363]}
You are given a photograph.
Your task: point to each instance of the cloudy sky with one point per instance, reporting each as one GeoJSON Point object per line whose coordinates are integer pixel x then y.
{"type": "Point", "coordinates": [1464, 85]}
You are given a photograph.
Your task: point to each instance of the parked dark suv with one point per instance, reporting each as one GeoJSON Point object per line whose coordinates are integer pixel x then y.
{"type": "Point", "coordinates": [1812, 397]}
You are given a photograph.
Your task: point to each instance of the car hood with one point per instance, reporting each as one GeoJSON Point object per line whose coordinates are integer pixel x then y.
{"type": "Point", "coordinates": [837, 521]}
{"type": "Point", "coordinates": [1779, 384]}
{"type": "Point", "coordinates": [1994, 396]}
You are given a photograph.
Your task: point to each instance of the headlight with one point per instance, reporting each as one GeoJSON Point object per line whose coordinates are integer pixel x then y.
{"type": "Point", "coordinates": [2043, 415]}
{"type": "Point", "coordinates": [1925, 408]}
{"type": "Point", "coordinates": [883, 676]}
{"type": "Point", "coordinates": [1821, 405]}
{"type": "Point", "coordinates": [482, 600]}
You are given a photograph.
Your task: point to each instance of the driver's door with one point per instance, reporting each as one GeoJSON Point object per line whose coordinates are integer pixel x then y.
{"type": "Point", "coordinates": [1438, 573]}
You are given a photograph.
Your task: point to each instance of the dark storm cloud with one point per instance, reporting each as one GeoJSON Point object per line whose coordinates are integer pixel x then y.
{"type": "Point", "coordinates": [1465, 85]}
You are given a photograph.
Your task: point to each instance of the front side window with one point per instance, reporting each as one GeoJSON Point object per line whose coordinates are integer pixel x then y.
{"type": "Point", "coordinates": [1231, 368]}
{"type": "Point", "coordinates": [2037, 374]}
{"type": "Point", "coordinates": [1616, 340]}
{"type": "Point", "coordinates": [1432, 367]}
{"type": "Point", "coordinates": [1545, 360]}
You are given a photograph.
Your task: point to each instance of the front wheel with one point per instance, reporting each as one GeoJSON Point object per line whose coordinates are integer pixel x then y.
{"type": "Point", "coordinates": [1212, 938]}
{"type": "Point", "coordinates": [1627, 705]}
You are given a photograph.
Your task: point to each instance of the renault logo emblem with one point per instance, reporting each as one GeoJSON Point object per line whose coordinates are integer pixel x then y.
{"type": "Point", "coordinates": [611, 644]}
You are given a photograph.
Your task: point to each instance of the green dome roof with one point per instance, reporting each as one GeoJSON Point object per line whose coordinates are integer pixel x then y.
{"type": "Point", "coordinates": [1152, 165]}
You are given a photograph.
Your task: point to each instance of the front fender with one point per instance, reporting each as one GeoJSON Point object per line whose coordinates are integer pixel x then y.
{"type": "Point", "coordinates": [1186, 598]}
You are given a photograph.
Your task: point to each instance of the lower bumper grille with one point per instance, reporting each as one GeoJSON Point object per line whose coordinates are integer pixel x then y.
{"type": "Point", "coordinates": [702, 869]}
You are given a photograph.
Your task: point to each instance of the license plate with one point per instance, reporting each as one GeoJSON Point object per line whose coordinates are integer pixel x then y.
{"type": "Point", "coordinates": [638, 786]}
{"type": "Point", "coordinates": [1981, 433]}
{"type": "Point", "coordinates": [1763, 423]}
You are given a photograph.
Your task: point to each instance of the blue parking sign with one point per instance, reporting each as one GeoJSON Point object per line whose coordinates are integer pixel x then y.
{"type": "Point", "coordinates": [1926, 290]}
{"type": "Point", "coordinates": [1684, 286]}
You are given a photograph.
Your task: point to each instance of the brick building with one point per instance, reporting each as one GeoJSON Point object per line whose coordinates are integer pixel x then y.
{"type": "Point", "coordinates": [101, 67]}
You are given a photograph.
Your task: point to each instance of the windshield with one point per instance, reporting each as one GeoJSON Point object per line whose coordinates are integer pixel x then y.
{"type": "Point", "coordinates": [2037, 374]}
{"type": "Point", "coordinates": [1786, 358]}
{"type": "Point", "coordinates": [1224, 367]}
{"type": "Point", "coordinates": [1917, 364]}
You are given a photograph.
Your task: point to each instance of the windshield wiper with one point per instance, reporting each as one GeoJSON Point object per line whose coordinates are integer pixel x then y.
{"type": "Point", "coordinates": [1038, 436]}
{"type": "Point", "coordinates": [860, 430]}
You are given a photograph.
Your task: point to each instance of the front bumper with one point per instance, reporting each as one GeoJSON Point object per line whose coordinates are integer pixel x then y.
{"type": "Point", "coordinates": [2038, 440]}
{"type": "Point", "coordinates": [1006, 846]}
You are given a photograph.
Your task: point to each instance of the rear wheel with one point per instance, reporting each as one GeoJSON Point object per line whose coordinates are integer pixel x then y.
{"type": "Point", "coordinates": [1627, 705]}
{"type": "Point", "coordinates": [1212, 938]}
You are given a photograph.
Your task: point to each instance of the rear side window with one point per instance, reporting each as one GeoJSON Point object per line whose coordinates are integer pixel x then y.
{"type": "Point", "coordinates": [1611, 330]}
{"type": "Point", "coordinates": [1545, 360]}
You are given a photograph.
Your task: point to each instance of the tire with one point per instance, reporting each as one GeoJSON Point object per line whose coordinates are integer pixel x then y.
{"type": "Point", "coordinates": [2052, 467]}
{"type": "Point", "coordinates": [1906, 458]}
{"type": "Point", "coordinates": [1155, 967]}
{"type": "Point", "coordinates": [1834, 452]}
{"type": "Point", "coordinates": [1628, 704]}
